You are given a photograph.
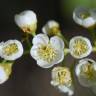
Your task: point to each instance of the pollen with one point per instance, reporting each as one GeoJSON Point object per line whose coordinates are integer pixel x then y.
{"type": "Point", "coordinates": [80, 47]}
{"type": "Point", "coordinates": [47, 53]}
{"type": "Point", "coordinates": [54, 31]}
{"type": "Point", "coordinates": [63, 76]}
{"type": "Point", "coordinates": [84, 15]}
{"type": "Point", "coordinates": [88, 70]}
{"type": "Point", "coordinates": [10, 49]}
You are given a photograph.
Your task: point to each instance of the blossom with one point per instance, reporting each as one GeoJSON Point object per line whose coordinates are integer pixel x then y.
{"type": "Point", "coordinates": [86, 72]}
{"type": "Point", "coordinates": [61, 78]}
{"type": "Point", "coordinates": [83, 17]}
{"type": "Point", "coordinates": [52, 27]}
{"type": "Point", "coordinates": [11, 50]}
{"type": "Point", "coordinates": [27, 21]}
{"type": "Point", "coordinates": [80, 47]}
{"type": "Point", "coordinates": [5, 72]}
{"type": "Point", "coordinates": [47, 52]}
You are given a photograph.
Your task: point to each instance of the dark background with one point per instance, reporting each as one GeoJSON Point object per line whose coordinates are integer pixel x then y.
{"type": "Point", "coordinates": [27, 79]}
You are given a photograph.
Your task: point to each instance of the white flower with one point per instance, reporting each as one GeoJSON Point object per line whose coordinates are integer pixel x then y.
{"type": "Point", "coordinates": [11, 50]}
{"type": "Point", "coordinates": [45, 52]}
{"type": "Point", "coordinates": [83, 17]}
{"type": "Point", "coordinates": [51, 28]}
{"type": "Point", "coordinates": [27, 21]}
{"type": "Point", "coordinates": [61, 78]}
{"type": "Point", "coordinates": [5, 71]}
{"type": "Point", "coordinates": [80, 47]}
{"type": "Point", "coordinates": [86, 72]}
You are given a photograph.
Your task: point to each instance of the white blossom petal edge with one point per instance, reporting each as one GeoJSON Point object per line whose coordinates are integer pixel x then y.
{"type": "Point", "coordinates": [86, 72]}
{"type": "Point", "coordinates": [47, 52]}
{"type": "Point", "coordinates": [11, 49]}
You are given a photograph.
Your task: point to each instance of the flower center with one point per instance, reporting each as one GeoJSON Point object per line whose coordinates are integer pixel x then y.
{"type": "Point", "coordinates": [84, 15]}
{"type": "Point", "coordinates": [47, 53]}
{"type": "Point", "coordinates": [54, 31]}
{"type": "Point", "coordinates": [63, 77]}
{"type": "Point", "coordinates": [10, 49]}
{"type": "Point", "coordinates": [88, 71]}
{"type": "Point", "coordinates": [80, 47]}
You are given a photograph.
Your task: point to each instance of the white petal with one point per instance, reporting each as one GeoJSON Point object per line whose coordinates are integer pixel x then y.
{"type": "Point", "coordinates": [15, 55]}
{"type": "Point", "coordinates": [40, 39]}
{"type": "Point", "coordinates": [3, 75]}
{"type": "Point", "coordinates": [34, 51]}
{"type": "Point", "coordinates": [76, 19]}
{"type": "Point", "coordinates": [85, 82]}
{"type": "Point", "coordinates": [60, 57]}
{"type": "Point", "coordinates": [88, 22]}
{"type": "Point", "coordinates": [66, 89]}
{"type": "Point", "coordinates": [44, 64]}
{"type": "Point", "coordinates": [54, 83]}
{"type": "Point", "coordinates": [44, 29]}
{"type": "Point", "coordinates": [57, 43]}
{"type": "Point", "coordinates": [26, 17]}
{"type": "Point", "coordinates": [52, 23]}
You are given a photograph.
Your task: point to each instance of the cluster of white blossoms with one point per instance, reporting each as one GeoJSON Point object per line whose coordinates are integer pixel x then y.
{"type": "Point", "coordinates": [48, 49]}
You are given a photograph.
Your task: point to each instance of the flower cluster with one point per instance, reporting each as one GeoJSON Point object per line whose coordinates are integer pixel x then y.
{"type": "Point", "coordinates": [49, 49]}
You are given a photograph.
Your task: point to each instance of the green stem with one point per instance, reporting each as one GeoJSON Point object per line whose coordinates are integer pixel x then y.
{"type": "Point", "coordinates": [66, 51]}
{"type": "Point", "coordinates": [92, 33]}
{"type": "Point", "coordinates": [94, 49]}
{"type": "Point", "coordinates": [26, 52]}
{"type": "Point", "coordinates": [27, 40]}
{"type": "Point", "coordinates": [33, 34]}
{"type": "Point", "coordinates": [64, 39]}
{"type": "Point", "coordinates": [72, 70]}
{"type": "Point", "coordinates": [4, 61]}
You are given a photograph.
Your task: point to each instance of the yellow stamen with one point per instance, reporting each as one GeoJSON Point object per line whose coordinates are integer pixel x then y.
{"type": "Point", "coordinates": [47, 53]}
{"type": "Point", "coordinates": [10, 49]}
{"type": "Point", "coordinates": [84, 15]}
{"type": "Point", "coordinates": [80, 47]}
{"type": "Point", "coordinates": [54, 31]}
{"type": "Point", "coordinates": [63, 76]}
{"type": "Point", "coordinates": [88, 71]}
